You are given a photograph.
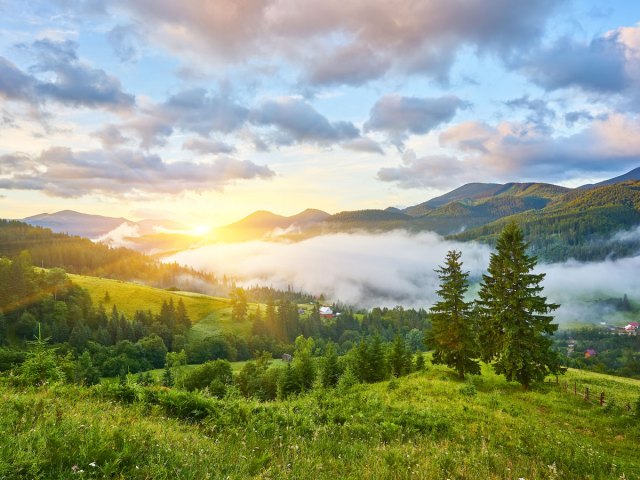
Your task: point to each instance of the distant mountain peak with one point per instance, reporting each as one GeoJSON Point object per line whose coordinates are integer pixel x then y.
{"type": "Point", "coordinates": [625, 177]}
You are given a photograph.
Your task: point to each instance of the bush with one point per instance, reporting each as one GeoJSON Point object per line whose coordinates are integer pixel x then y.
{"type": "Point", "coordinates": [202, 376]}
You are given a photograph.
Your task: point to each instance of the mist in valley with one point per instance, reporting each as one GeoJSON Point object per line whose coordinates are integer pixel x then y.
{"type": "Point", "coordinates": [397, 268]}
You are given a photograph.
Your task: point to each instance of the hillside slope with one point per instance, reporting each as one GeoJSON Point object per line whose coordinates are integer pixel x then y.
{"type": "Point", "coordinates": [208, 314]}
{"type": "Point", "coordinates": [427, 425]}
{"type": "Point", "coordinates": [576, 225]}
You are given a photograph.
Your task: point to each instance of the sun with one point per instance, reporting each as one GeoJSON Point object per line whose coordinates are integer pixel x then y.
{"type": "Point", "coordinates": [200, 230]}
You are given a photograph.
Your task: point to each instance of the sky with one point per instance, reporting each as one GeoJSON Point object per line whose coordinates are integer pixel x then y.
{"type": "Point", "coordinates": [205, 111]}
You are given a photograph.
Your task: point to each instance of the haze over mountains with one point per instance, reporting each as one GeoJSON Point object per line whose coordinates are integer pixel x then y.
{"type": "Point", "coordinates": [560, 222]}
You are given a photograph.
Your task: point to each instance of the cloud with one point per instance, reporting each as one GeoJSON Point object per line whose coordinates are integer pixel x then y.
{"type": "Point", "coordinates": [193, 110]}
{"type": "Point", "coordinates": [120, 236]}
{"type": "Point", "coordinates": [405, 36]}
{"type": "Point", "coordinates": [387, 269]}
{"type": "Point", "coordinates": [14, 83]}
{"type": "Point", "coordinates": [207, 147]}
{"type": "Point", "coordinates": [297, 121]}
{"type": "Point", "coordinates": [64, 173]}
{"type": "Point", "coordinates": [598, 66]}
{"type": "Point", "coordinates": [352, 65]}
{"type": "Point", "coordinates": [507, 150]}
{"type": "Point", "coordinates": [110, 137]}
{"type": "Point", "coordinates": [400, 116]}
{"type": "Point", "coordinates": [573, 117]}
{"type": "Point", "coordinates": [605, 66]}
{"type": "Point", "coordinates": [125, 41]}
{"type": "Point", "coordinates": [59, 75]}
{"type": "Point", "coordinates": [540, 113]}
{"type": "Point", "coordinates": [423, 172]}
{"type": "Point", "coordinates": [75, 82]}
{"type": "Point", "coordinates": [363, 144]}
{"type": "Point", "coordinates": [397, 268]}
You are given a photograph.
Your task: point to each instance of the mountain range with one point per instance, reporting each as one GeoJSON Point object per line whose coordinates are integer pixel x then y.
{"type": "Point", "coordinates": [559, 222]}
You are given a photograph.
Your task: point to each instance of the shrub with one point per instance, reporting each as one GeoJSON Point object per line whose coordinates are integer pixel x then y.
{"type": "Point", "coordinates": [202, 376]}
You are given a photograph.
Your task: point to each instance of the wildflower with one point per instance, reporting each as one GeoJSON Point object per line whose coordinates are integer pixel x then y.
{"type": "Point", "coordinates": [92, 464]}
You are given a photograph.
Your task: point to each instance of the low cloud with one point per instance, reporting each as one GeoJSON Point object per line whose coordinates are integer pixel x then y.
{"type": "Point", "coordinates": [387, 269]}
{"type": "Point", "coordinates": [397, 268]}
{"type": "Point", "coordinates": [120, 236]}
{"type": "Point", "coordinates": [63, 172]}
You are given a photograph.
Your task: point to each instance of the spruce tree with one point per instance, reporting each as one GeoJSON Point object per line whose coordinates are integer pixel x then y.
{"type": "Point", "coordinates": [330, 373]}
{"type": "Point", "coordinates": [399, 357]}
{"type": "Point", "coordinates": [453, 331]}
{"type": "Point", "coordinates": [515, 325]}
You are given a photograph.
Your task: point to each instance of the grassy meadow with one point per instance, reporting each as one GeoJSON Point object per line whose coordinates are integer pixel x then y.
{"type": "Point", "coordinates": [427, 425]}
{"type": "Point", "coordinates": [208, 314]}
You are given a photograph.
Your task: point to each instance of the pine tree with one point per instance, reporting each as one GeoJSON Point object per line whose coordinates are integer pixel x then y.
{"type": "Point", "coordinates": [167, 376]}
{"type": "Point", "coordinates": [399, 358]}
{"type": "Point", "coordinates": [239, 304]}
{"type": "Point", "coordinates": [182, 317]}
{"type": "Point", "coordinates": [453, 331]}
{"type": "Point", "coordinates": [330, 373]}
{"type": "Point", "coordinates": [515, 325]}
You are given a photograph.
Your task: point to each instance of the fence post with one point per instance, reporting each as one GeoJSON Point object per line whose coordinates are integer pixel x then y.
{"type": "Point", "coordinates": [586, 394]}
{"type": "Point", "coordinates": [601, 399]}
{"type": "Point", "coordinates": [575, 388]}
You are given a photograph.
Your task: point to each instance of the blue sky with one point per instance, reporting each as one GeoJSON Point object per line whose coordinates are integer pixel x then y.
{"type": "Point", "coordinates": [205, 111]}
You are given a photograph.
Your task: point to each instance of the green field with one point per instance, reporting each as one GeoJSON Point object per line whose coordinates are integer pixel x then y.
{"type": "Point", "coordinates": [208, 314]}
{"type": "Point", "coordinates": [427, 425]}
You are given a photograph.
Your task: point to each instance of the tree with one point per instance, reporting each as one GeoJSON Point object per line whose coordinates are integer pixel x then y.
{"type": "Point", "coordinates": [330, 373]}
{"type": "Point", "coordinates": [515, 325]}
{"type": "Point", "coordinates": [41, 365]}
{"type": "Point", "coordinates": [302, 364]}
{"type": "Point", "coordinates": [399, 358]}
{"type": "Point", "coordinates": [453, 332]}
{"type": "Point", "coordinates": [239, 304]}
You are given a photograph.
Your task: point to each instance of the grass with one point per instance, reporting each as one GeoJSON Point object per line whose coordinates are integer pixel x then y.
{"type": "Point", "coordinates": [235, 366]}
{"type": "Point", "coordinates": [209, 314]}
{"type": "Point", "coordinates": [427, 425]}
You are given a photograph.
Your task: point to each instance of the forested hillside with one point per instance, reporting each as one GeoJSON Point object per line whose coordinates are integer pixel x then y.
{"type": "Point", "coordinates": [82, 256]}
{"type": "Point", "coordinates": [577, 225]}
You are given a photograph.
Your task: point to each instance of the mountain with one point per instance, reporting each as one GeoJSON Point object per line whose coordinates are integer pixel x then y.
{"type": "Point", "coordinates": [578, 224]}
{"type": "Point", "coordinates": [76, 223]}
{"type": "Point", "coordinates": [632, 175]}
{"type": "Point", "coordinates": [148, 236]}
{"type": "Point", "coordinates": [263, 223]}
{"type": "Point", "coordinates": [470, 191]}
{"type": "Point", "coordinates": [95, 226]}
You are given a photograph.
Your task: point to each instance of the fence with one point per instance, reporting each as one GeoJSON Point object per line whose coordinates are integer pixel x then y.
{"type": "Point", "coordinates": [592, 396]}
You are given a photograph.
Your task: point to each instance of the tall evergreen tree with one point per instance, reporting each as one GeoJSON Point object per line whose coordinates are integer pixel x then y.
{"type": "Point", "coordinates": [515, 325]}
{"type": "Point", "coordinates": [453, 331]}
{"type": "Point", "coordinates": [399, 357]}
{"type": "Point", "coordinates": [330, 373]}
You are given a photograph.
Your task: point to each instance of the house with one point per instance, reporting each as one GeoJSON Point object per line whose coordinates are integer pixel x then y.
{"type": "Point", "coordinates": [590, 352]}
{"type": "Point", "coordinates": [632, 328]}
{"type": "Point", "coordinates": [326, 312]}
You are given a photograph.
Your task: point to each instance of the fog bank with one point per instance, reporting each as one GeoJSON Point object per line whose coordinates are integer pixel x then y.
{"type": "Point", "coordinates": [397, 268]}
